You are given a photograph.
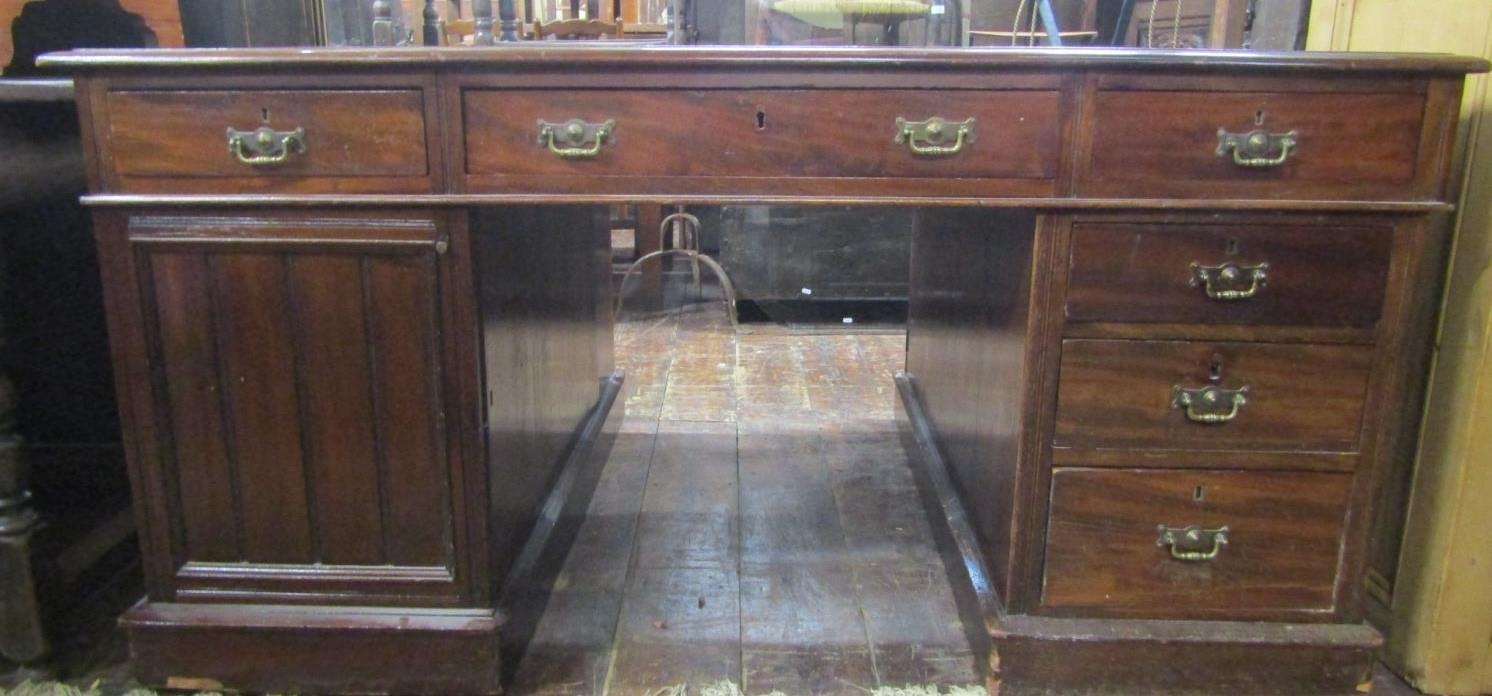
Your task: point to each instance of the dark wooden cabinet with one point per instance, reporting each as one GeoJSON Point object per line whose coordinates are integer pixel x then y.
{"type": "Point", "coordinates": [1166, 313]}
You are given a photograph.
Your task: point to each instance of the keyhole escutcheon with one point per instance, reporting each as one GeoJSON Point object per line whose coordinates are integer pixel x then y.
{"type": "Point", "coordinates": [1215, 369]}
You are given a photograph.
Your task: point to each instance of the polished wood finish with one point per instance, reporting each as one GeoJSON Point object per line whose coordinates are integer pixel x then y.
{"type": "Point", "coordinates": [545, 58]}
{"type": "Point", "coordinates": [1142, 273]}
{"type": "Point", "coordinates": [1051, 320]}
{"type": "Point", "coordinates": [1351, 145]}
{"type": "Point", "coordinates": [281, 353]}
{"type": "Point", "coordinates": [355, 140]}
{"type": "Point", "coordinates": [968, 316]}
{"type": "Point", "coordinates": [1181, 657]}
{"type": "Point", "coordinates": [758, 133]}
{"type": "Point", "coordinates": [544, 305]}
{"type": "Point", "coordinates": [1280, 560]}
{"type": "Point", "coordinates": [1300, 397]}
{"type": "Point", "coordinates": [196, 647]}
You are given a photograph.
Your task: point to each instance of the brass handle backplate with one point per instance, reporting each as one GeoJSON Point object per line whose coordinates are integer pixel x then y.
{"type": "Point", "coordinates": [1256, 149]}
{"type": "Point", "coordinates": [1192, 543]}
{"type": "Point", "coordinates": [575, 139]}
{"type": "Point", "coordinates": [265, 145]}
{"type": "Point", "coordinates": [1209, 404]}
{"type": "Point", "coordinates": [1228, 282]}
{"type": "Point", "coordinates": [935, 137]}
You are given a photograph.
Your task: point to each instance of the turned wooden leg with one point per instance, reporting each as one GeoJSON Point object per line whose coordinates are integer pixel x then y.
{"type": "Point", "coordinates": [431, 17]}
{"type": "Point", "coordinates": [508, 13]}
{"type": "Point", "coordinates": [22, 636]}
{"type": "Point", "coordinates": [481, 14]}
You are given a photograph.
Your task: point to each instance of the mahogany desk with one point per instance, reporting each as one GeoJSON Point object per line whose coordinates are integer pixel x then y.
{"type": "Point", "coordinates": [1167, 311]}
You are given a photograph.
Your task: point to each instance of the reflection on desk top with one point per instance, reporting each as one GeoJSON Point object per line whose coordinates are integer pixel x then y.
{"type": "Point", "coordinates": [598, 54]}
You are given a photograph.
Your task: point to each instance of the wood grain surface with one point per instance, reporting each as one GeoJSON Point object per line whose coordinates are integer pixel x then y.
{"type": "Point", "coordinates": [1280, 561]}
{"type": "Point", "coordinates": [1316, 276]}
{"type": "Point", "coordinates": [1300, 397]}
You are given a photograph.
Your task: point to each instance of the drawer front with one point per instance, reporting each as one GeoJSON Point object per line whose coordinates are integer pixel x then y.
{"type": "Point", "coordinates": [365, 136]}
{"type": "Point", "coordinates": [1106, 554]}
{"type": "Point", "coordinates": [1228, 274]}
{"type": "Point", "coordinates": [763, 133]}
{"type": "Point", "coordinates": [1267, 396]}
{"type": "Point", "coordinates": [1352, 145]}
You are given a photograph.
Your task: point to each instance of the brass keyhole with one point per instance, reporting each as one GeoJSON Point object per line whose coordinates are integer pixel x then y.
{"type": "Point", "coordinates": [264, 115]}
{"type": "Point", "coordinates": [1198, 493]}
{"type": "Point", "coordinates": [761, 120]}
{"type": "Point", "coordinates": [1259, 117]}
{"type": "Point", "coordinates": [1215, 369]}
{"type": "Point", "coordinates": [1230, 247]}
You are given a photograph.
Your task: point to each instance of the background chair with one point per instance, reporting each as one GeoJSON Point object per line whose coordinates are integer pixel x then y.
{"type": "Point", "coordinates": [579, 29]}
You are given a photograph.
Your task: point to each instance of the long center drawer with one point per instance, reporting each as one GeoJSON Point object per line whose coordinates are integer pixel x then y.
{"type": "Point", "coordinates": [763, 133]}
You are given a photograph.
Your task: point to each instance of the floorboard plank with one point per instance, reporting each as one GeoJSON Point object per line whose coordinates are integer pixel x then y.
{"type": "Point", "coordinates": [571, 647]}
{"type": "Point", "coordinates": [689, 512]}
{"type": "Point", "coordinates": [681, 617]}
{"type": "Point", "coordinates": [802, 631]}
{"type": "Point", "coordinates": [679, 626]}
{"type": "Point", "coordinates": [914, 625]}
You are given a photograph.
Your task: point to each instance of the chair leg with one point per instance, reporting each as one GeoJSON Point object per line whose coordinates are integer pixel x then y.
{"type": "Point", "coordinates": [1049, 22]}
{"type": "Point", "coordinates": [1121, 23]}
{"type": "Point", "coordinates": [693, 245]}
{"type": "Point", "coordinates": [688, 239]}
{"type": "Point", "coordinates": [696, 257]}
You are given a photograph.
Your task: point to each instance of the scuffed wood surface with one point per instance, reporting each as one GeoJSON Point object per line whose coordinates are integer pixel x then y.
{"type": "Point", "coordinates": [757, 522]}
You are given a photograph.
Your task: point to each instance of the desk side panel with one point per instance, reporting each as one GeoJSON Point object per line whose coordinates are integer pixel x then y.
{"type": "Point", "coordinates": [966, 349]}
{"type": "Point", "coordinates": [544, 297]}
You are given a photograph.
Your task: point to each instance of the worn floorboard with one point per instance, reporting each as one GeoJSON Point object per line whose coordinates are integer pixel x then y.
{"type": "Point", "coordinates": [775, 536]}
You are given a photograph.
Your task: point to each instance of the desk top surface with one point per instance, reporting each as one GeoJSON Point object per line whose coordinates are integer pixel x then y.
{"type": "Point", "coordinates": [543, 55]}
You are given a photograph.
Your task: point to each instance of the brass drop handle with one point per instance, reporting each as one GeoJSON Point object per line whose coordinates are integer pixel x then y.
{"type": "Point", "coordinates": [1228, 282]}
{"type": "Point", "coordinates": [265, 145]}
{"type": "Point", "coordinates": [935, 137]}
{"type": "Point", "coordinates": [575, 139]}
{"type": "Point", "coordinates": [1256, 149]}
{"type": "Point", "coordinates": [1209, 404]}
{"type": "Point", "coordinates": [1192, 543]}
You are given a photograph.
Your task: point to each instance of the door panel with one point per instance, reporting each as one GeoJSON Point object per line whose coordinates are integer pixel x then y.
{"type": "Point", "coordinates": [299, 386]}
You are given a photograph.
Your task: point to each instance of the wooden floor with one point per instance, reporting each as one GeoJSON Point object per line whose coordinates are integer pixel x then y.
{"type": "Point", "coordinates": [756, 522]}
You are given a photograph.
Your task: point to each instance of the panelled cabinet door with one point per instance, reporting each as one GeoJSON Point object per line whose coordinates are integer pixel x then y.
{"type": "Point", "coordinates": [298, 398]}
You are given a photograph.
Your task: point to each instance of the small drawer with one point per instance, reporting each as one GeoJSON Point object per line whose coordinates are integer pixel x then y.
{"type": "Point", "coordinates": [1228, 274]}
{"type": "Point", "coordinates": [300, 141]}
{"type": "Point", "coordinates": [1194, 544]}
{"type": "Point", "coordinates": [773, 134]}
{"type": "Point", "coordinates": [1211, 396]}
{"type": "Point", "coordinates": [1250, 144]}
